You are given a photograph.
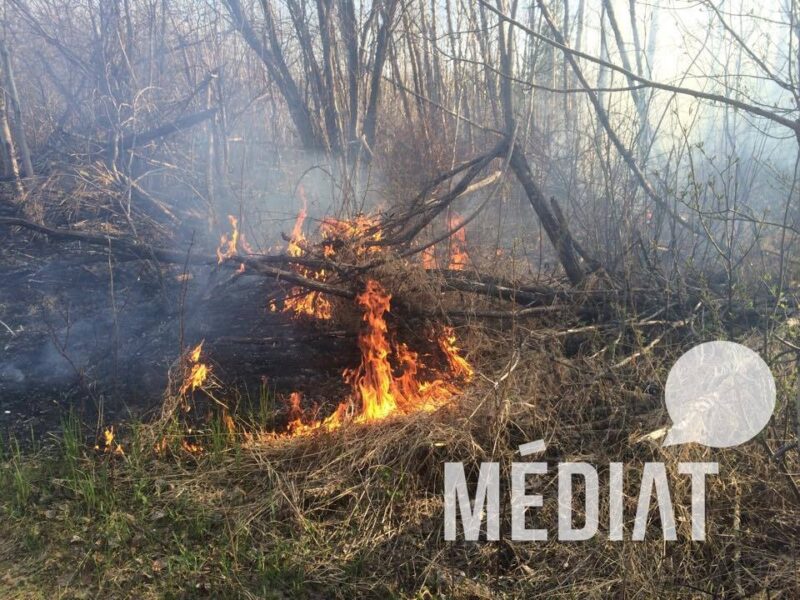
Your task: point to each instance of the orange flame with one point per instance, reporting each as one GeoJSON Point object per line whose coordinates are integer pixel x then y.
{"type": "Point", "coordinates": [458, 364]}
{"type": "Point", "coordinates": [358, 232]}
{"type": "Point", "coordinates": [299, 301]}
{"type": "Point", "coordinates": [376, 390]}
{"type": "Point", "coordinates": [459, 259]}
{"type": "Point", "coordinates": [294, 248]}
{"type": "Point", "coordinates": [428, 258]}
{"type": "Point", "coordinates": [390, 378]}
{"type": "Point", "coordinates": [227, 246]}
{"type": "Point", "coordinates": [197, 374]}
{"type": "Point", "coordinates": [373, 382]}
{"type": "Point", "coordinates": [191, 447]}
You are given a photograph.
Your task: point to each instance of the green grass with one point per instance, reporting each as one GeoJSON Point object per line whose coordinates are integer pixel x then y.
{"type": "Point", "coordinates": [79, 522]}
{"type": "Point", "coordinates": [129, 522]}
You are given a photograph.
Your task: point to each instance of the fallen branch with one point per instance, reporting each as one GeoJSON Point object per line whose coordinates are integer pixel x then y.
{"type": "Point", "coordinates": [131, 140]}
{"type": "Point", "coordinates": [147, 252]}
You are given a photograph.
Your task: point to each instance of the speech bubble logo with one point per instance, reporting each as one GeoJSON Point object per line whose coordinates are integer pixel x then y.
{"type": "Point", "coordinates": [719, 394]}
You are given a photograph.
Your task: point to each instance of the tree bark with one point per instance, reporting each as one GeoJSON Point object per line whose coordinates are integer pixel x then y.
{"type": "Point", "coordinates": [559, 236]}
{"type": "Point", "coordinates": [21, 142]}
{"type": "Point", "coordinates": [273, 60]}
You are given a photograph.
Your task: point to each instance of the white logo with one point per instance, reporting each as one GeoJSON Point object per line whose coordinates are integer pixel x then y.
{"type": "Point", "coordinates": [719, 394]}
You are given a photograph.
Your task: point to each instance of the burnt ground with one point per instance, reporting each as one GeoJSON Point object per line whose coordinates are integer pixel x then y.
{"type": "Point", "coordinates": [80, 332]}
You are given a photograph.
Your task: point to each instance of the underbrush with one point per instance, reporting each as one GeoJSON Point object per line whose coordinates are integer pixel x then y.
{"type": "Point", "coordinates": [358, 512]}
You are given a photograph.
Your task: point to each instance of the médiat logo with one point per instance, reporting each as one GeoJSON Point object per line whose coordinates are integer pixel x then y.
{"type": "Point", "coordinates": [718, 394]}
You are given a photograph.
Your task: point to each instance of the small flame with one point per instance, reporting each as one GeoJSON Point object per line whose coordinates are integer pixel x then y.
{"type": "Point", "coordinates": [229, 246]}
{"type": "Point", "coordinates": [107, 443]}
{"type": "Point", "coordinates": [160, 447]}
{"type": "Point", "coordinates": [191, 447]}
{"type": "Point", "coordinates": [459, 259]}
{"type": "Point", "coordinates": [230, 424]}
{"type": "Point", "coordinates": [198, 373]}
{"type": "Point", "coordinates": [429, 258]}
{"type": "Point", "coordinates": [458, 364]}
{"type": "Point", "coordinates": [197, 376]}
{"type": "Point", "coordinates": [194, 355]}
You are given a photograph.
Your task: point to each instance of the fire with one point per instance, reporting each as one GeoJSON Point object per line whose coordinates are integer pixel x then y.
{"type": "Point", "coordinates": [294, 248]}
{"type": "Point", "coordinates": [198, 373]}
{"type": "Point", "coordinates": [191, 447]}
{"type": "Point", "coordinates": [228, 245]}
{"type": "Point", "coordinates": [299, 424]}
{"type": "Point", "coordinates": [388, 380]}
{"type": "Point", "coordinates": [355, 238]}
{"type": "Point", "coordinates": [458, 364]}
{"type": "Point", "coordinates": [107, 443]}
{"type": "Point", "coordinates": [372, 381]}
{"type": "Point", "coordinates": [428, 258]}
{"type": "Point", "coordinates": [359, 233]}
{"type": "Point", "coordinates": [458, 244]}
{"type": "Point", "coordinates": [299, 301]}
{"type": "Point", "coordinates": [457, 249]}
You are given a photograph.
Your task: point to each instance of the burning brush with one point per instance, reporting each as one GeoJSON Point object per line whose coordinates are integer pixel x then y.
{"type": "Point", "coordinates": [198, 372]}
{"type": "Point", "coordinates": [299, 301]}
{"type": "Point", "coordinates": [389, 379]}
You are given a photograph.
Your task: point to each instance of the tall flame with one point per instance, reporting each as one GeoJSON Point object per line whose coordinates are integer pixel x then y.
{"type": "Point", "coordinates": [299, 301]}
{"type": "Point", "coordinates": [294, 248]}
{"type": "Point", "coordinates": [376, 390]}
{"type": "Point", "coordinates": [372, 381]}
{"type": "Point", "coordinates": [228, 245]}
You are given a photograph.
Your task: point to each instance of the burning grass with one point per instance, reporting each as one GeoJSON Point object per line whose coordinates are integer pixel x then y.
{"type": "Point", "coordinates": [231, 496]}
{"type": "Point", "coordinates": [357, 511]}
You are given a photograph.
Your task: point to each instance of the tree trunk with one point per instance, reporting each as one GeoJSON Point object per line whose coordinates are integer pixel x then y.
{"type": "Point", "coordinates": [381, 49]}
{"type": "Point", "coordinates": [10, 164]}
{"type": "Point", "coordinates": [559, 236]}
{"type": "Point", "coordinates": [20, 141]}
{"type": "Point", "coordinates": [276, 66]}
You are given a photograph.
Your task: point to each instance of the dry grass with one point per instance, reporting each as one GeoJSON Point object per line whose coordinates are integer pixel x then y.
{"type": "Point", "coordinates": [358, 512]}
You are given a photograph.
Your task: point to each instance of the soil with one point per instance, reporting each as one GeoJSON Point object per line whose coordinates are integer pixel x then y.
{"type": "Point", "coordinates": [81, 333]}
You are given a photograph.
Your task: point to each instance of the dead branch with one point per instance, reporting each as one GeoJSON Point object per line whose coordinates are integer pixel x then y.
{"type": "Point", "coordinates": [424, 213]}
{"type": "Point", "coordinates": [130, 140]}
{"type": "Point", "coordinates": [147, 252]}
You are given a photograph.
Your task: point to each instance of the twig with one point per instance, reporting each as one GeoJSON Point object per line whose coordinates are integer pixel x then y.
{"type": "Point", "coordinates": [11, 331]}
{"type": "Point", "coordinates": [673, 326]}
